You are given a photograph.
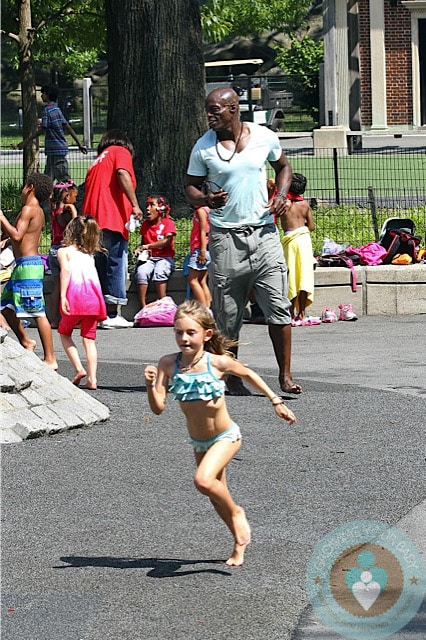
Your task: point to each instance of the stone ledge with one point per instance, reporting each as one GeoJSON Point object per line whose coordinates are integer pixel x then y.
{"type": "Point", "coordinates": [396, 274]}
{"type": "Point", "coordinates": [37, 401]}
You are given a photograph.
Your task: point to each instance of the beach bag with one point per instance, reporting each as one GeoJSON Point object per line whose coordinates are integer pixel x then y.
{"type": "Point", "coordinates": [398, 236]}
{"type": "Point", "coordinates": [341, 259]}
{"type": "Point", "coordinates": [400, 241]}
{"type": "Point", "coordinates": [369, 254]}
{"type": "Point", "coordinates": [390, 224]}
{"type": "Point", "coordinates": [160, 313]}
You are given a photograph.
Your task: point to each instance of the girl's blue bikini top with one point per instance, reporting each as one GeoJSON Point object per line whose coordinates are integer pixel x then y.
{"type": "Point", "coordinates": [188, 387]}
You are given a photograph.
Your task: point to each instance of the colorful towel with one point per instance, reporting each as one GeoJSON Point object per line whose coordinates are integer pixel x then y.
{"type": "Point", "coordinates": [297, 247]}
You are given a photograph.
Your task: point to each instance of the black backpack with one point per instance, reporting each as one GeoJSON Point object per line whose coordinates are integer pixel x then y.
{"type": "Point", "coordinates": [398, 236]}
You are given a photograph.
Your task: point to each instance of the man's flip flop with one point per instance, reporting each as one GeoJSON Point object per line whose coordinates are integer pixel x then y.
{"type": "Point", "coordinates": [295, 389]}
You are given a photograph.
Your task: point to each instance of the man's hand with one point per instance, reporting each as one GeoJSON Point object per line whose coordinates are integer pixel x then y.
{"type": "Point", "coordinates": [278, 205]}
{"type": "Point", "coordinates": [216, 199]}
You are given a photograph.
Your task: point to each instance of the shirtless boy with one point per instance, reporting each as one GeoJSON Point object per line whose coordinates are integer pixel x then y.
{"type": "Point", "coordinates": [297, 223]}
{"type": "Point", "coordinates": [22, 296]}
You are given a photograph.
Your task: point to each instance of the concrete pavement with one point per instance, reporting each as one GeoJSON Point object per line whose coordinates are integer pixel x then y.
{"type": "Point", "coordinates": [104, 536]}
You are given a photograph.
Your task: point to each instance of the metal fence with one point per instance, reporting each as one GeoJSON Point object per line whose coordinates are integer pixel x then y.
{"type": "Point", "coordinates": [351, 193]}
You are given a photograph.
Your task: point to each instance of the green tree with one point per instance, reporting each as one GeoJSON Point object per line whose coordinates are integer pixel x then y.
{"type": "Point", "coordinates": [60, 35]}
{"type": "Point", "coordinates": [301, 62]}
{"type": "Point", "coordinates": [156, 87]}
{"type": "Point", "coordinates": [223, 18]}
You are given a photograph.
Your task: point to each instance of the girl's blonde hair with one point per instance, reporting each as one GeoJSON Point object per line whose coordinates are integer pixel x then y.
{"type": "Point", "coordinates": [85, 234]}
{"type": "Point", "coordinates": [218, 343]}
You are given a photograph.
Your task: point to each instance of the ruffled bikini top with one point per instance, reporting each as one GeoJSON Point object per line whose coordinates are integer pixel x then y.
{"type": "Point", "coordinates": [188, 387]}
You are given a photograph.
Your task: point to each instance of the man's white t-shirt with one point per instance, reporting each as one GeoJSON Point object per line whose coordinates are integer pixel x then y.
{"type": "Point", "coordinates": [244, 177]}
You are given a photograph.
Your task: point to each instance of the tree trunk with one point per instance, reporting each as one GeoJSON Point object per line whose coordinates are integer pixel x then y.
{"type": "Point", "coordinates": [157, 88]}
{"type": "Point", "coordinates": [29, 100]}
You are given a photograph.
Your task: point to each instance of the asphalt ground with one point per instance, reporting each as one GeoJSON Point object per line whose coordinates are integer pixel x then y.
{"type": "Point", "coordinates": [104, 536]}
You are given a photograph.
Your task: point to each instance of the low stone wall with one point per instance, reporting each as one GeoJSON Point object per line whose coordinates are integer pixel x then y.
{"type": "Point", "coordinates": [37, 401]}
{"type": "Point", "coordinates": [381, 290]}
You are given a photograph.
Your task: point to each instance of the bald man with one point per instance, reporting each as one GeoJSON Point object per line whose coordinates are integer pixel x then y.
{"type": "Point", "coordinates": [227, 172]}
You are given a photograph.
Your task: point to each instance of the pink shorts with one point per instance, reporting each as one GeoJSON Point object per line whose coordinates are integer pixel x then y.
{"type": "Point", "coordinates": [88, 326]}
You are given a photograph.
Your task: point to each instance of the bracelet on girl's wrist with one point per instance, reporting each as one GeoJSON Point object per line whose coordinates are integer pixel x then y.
{"type": "Point", "coordinates": [275, 398]}
{"type": "Point", "coordinates": [281, 195]}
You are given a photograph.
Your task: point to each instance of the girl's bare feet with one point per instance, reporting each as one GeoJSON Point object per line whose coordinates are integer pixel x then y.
{"type": "Point", "coordinates": [242, 539]}
{"type": "Point", "coordinates": [89, 385]}
{"type": "Point", "coordinates": [78, 377]}
{"type": "Point", "coordinates": [237, 558]}
{"type": "Point", "coordinates": [29, 344]}
{"type": "Point", "coordinates": [241, 528]}
{"type": "Point", "coordinates": [51, 363]}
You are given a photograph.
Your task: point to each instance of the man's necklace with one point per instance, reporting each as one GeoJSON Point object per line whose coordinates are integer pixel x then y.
{"type": "Point", "coordinates": [193, 363]}
{"type": "Point", "coordinates": [235, 149]}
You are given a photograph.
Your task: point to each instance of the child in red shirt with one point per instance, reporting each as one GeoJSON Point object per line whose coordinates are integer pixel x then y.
{"type": "Point", "coordinates": [63, 211]}
{"type": "Point", "coordinates": [156, 253]}
{"type": "Point", "coordinates": [199, 257]}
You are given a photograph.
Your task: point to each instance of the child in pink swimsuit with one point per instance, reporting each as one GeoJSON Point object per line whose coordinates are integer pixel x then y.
{"type": "Point", "coordinates": [82, 302]}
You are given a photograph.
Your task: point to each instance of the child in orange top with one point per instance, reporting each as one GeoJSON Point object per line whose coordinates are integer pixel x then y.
{"type": "Point", "coordinates": [158, 232]}
{"type": "Point", "coordinates": [199, 258]}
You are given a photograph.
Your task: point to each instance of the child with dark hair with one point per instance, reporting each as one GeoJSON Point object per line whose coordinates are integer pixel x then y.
{"type": "Point", "coordinates": [155, 256]}
{"type": "Point", "coordinates": [196, 375]}
{"type": "Point", "coordinates": [82, 302]}
{"type": "Point", "coordinates": [52, 125]}
{"type": "Point", "coordinates": [63, 211]}
{"type": "Point", "coordinates": [22, 296]}
{"type": "Point", "coordinates": [199, 257]}
{"type": "Point", "coordinates": [297, 223]}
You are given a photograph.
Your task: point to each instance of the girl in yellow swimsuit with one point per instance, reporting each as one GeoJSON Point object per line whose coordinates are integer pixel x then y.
{"type": "Point", "coordinates": [196, 375]}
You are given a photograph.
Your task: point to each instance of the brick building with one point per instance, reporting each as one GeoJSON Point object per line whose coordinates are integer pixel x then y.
{"type": "Point", "coordinates": [374, 65]}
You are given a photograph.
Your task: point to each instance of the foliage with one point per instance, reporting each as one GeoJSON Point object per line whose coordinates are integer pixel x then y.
{"type": "Point", "coordinates": [68, 37]}
{"type": "Point", "coordinates": [223, 18]}
{"type": "Point", "coordinates": [301, 62]}
{"type": "Point", "coordinates": [10, 197]}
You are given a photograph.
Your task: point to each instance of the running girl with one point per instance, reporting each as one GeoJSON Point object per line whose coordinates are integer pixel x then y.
{"type": "Point", "coordinates": [197, 376]}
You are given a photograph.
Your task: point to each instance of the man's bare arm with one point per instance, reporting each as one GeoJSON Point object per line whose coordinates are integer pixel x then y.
{"type": "Point", "coordinates": [283, 175]}
{"type": "Point", "coordinates": [196, 197]}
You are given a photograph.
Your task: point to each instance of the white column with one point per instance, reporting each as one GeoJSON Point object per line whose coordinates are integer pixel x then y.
{"type": "Point", "coordinates": [342, 64]}
{"type": "Point", "coordinates": [378, 65]}
{"type": "Point", "coordinates": [336, 80]}
{"type": "Point", "coordinates": [418, 12]}
{"type": "Point", "coordinates": [330, 84]}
